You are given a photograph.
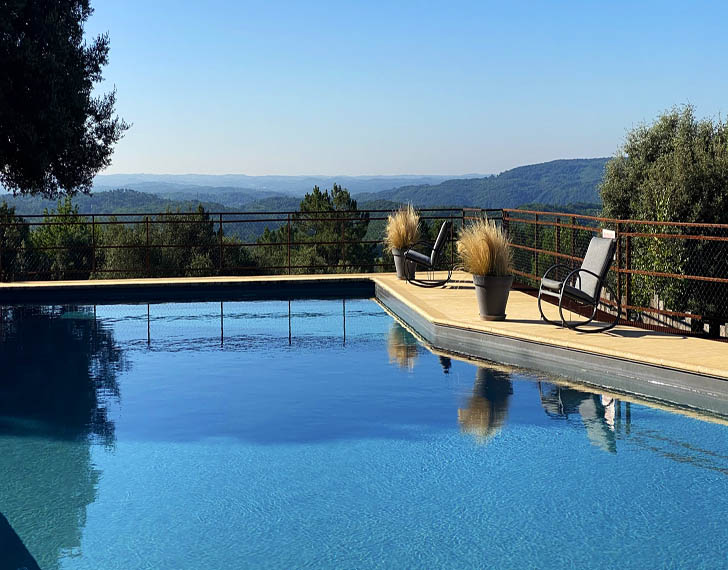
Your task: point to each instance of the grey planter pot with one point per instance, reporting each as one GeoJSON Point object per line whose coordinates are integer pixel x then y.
{"type": "Point", "coordinates": [405, 269]}
{"type": "Point", "coordinates": [492, 293]}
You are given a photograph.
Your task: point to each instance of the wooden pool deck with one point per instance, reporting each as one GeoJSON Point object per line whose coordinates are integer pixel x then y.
{"type": "Point", "coordinates": [679, 369]}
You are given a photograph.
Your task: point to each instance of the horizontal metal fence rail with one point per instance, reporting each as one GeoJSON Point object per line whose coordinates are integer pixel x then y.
{"type": "Point", "coordinates": [220, 236]}
{"type": "Point", "coordinates": [669, 276]}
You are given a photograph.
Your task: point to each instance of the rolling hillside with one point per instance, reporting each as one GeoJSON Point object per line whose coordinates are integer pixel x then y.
{"type": "Point", "coordinates": [557, 183]}
{"type": "Point", "coordinates": [121, 201]}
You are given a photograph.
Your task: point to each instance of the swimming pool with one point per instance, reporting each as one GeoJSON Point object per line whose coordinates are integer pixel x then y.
{"type": "Point", "coordinates": [322, 434]}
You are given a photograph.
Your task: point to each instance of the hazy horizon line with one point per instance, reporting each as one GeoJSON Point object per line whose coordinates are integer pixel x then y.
{"type": "Point", "coordinates": [322, 175]}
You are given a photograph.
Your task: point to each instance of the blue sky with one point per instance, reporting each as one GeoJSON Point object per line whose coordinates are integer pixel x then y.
{"type": "Point", "coordinates": [373, 87]}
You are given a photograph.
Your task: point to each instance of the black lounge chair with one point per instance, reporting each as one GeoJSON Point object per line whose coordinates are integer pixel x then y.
{"type": "Point", "coordinates": [429, 263]}
{"type": "Point", "coordinates": [583, 286]}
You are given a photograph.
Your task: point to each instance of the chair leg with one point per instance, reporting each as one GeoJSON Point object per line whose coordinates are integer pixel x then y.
{"type": "Point", "coordinates": [431, 283]}
{"type": "Point", "coordinates": [543, 316]}
{"type": "Point", "coordinates": [608, 326]}
{"type": "Point", "coordinates": [576, 326]}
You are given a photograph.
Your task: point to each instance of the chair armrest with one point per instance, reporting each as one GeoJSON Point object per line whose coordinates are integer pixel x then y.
{"type": "Point", "coordinates": [555, 266]}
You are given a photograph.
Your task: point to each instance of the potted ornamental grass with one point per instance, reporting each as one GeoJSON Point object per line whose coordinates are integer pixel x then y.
{"type": "Point", "coordinates": [485, 251]}
{"type": "Point", "coordinates": [402, 232]}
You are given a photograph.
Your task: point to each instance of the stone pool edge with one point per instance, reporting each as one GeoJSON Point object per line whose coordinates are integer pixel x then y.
{"type": "Point", "coordinates": [682, 388]}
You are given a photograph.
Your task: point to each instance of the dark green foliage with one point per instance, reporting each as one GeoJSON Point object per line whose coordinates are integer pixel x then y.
{"type": "Point", "coordinates": [14, 243]}
{"type": "Point", "coordinates": [674, 170]}
{"type": "Point", "coordinates": [184, 245]}
{"type": "Point", "coordinates": [121, 250]}
{"type": "Point", "coordinates": [557, 182]}
{"type": "Point", "coordinates": [59, 376]}
{"type": "Point", "coordinates": [121, 201]}
{"type": "Point", "coordinates": [174, 244]}
{"type": "Point", "coordinates": [70, 403]}
{"type": "Point", "coordinates": [581, 208]}
{"type": "Point", "coordinates": [54, 135]}
{"type": "Point", "coordinates": [331, 220]}
{"type": "Point", "coordinates": [68, 245]}
{"type": "Point", "coordinates": [63, 244]}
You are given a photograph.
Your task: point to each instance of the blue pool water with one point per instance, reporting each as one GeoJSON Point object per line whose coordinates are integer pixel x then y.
{"type": "Point", "coordinates": [176, 439]}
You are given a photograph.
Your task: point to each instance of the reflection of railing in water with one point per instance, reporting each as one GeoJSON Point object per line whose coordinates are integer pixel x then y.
{"type": "Point", "coordinates": [222, 322]}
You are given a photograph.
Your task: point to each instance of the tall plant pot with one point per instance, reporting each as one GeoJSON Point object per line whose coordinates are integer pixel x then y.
{"type": "Point", "coordinates": [405, 268]}
{"type": "Point", "coordinates": [492, 293]}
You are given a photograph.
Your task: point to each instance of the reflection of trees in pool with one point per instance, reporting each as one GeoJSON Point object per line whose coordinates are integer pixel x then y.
{"type": "Point", "coordinates": [597, 412]}
{"type": "Point", "coordinates": [59, 371]}
{"type": "Point", "coordinates": [402, 347]}
{"type": "Point", "coordinates": [488, 406]}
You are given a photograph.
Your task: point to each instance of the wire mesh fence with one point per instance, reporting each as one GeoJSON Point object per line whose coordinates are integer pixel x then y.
{"type": "Point", "coordinates": [100, 246]}
{"type": "Point", "coordinates": [666, 275]}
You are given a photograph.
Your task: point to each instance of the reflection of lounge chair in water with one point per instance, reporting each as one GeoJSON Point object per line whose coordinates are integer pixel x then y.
{"type": "Point", "coordinates": [488, 406]}
{"type": "Point", "coordinates": [597, 412]}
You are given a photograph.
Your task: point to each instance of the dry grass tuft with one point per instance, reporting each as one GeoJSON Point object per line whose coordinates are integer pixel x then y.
{"type": "Point", "coordinates": [485, 250]}
{"type": "Point", "coordinates": [403, 228]}
{"type": "Point", "coordinates": [402, 347]}
{"type": "Point", "coordinates": [482, 419]}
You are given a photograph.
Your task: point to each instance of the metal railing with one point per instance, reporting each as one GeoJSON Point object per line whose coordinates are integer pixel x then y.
{"type": "Point", "coordinates": [97, 246]}
{"type": "Point", "coordinates": [668, 276]}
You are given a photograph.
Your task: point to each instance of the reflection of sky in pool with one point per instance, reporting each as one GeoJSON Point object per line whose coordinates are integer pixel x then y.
{"type": "Point", "coordinates": [187, 442]}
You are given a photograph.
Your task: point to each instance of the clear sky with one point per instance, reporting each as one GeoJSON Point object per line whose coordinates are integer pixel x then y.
{"type": "Point", "coordinates": [227, 86]}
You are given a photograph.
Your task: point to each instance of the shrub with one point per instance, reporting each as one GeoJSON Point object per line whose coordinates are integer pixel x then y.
{"type": "Point", "coordinates": [484, 249]}
{"type": "Point", "coordinates": [403, 228]}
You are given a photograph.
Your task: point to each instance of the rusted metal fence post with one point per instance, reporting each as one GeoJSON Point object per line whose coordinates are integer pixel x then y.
{"type": "Point", "coordinates": [147, 256]}
{"type": "Point", "coordinates": [535, 245]}
{"type": "Point", "coordinates": [618, 237]}
{"type": "Point", "coordinates": [573, 240]}
{"type": "Point", "coordinates": [558, 239]}
{"type": "Point", "coordinates": [452, 242]}
{"type": "Point", "coordinates": [2, 239]}
{"type": "Point", "coordinates": [343, 246]}
{"type": "Point", "coordinates": [289, 244]}
{"type": "Point", "coordinates": [93, 243]}
{"type": "Point", "coordinates": [220, 265]}
{"type": "Point", "coordinates": [628, 266]}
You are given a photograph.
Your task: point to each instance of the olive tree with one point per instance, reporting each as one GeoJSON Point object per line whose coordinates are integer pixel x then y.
{"type": "Point", "coordinates": [674, 170]}
{"type": "Point", "coordinates": [55, 135]}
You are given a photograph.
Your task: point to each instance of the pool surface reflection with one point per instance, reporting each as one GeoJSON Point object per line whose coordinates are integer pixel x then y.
{"type": "Point", "coordinates": [321, 433]}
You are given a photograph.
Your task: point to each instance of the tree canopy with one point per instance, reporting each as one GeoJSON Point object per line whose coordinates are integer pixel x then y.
{"type": "Point", "coordinates": [675, 169]}
{"type": "Point", "coordinates": [334, 227]}
{"type": "Point", "coordinates": [55, 135]}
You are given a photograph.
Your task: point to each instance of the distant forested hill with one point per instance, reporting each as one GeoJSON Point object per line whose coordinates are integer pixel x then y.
{"type": "Point", "coordinates": [557, 183]}
{"type": "Point", "coordinates": [112, 202]}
